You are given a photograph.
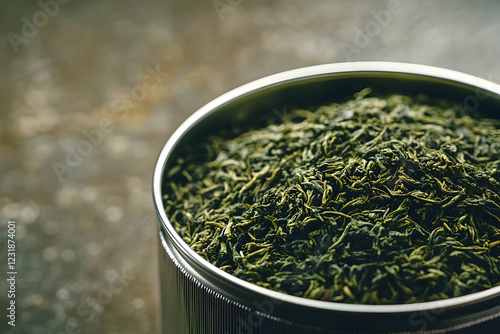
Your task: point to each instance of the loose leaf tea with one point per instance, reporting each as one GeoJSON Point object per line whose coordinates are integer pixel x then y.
{"type": "Point", "coordinates": [373, 200]}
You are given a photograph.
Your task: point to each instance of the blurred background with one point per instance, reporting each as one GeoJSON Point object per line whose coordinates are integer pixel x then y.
{"type": "Point", "coordinates": [91, 90]}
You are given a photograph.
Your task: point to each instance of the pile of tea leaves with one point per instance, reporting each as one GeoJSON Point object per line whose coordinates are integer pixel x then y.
{"type": "Point", "coordinates": [372, 200]}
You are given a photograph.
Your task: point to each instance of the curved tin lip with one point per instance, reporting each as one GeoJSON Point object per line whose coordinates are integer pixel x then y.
{"type": "Point", "coordinates": [287, 77]}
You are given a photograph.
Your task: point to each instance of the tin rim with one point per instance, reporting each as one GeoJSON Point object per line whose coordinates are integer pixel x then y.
{"type": "Point", "coordinates": [453, 77]}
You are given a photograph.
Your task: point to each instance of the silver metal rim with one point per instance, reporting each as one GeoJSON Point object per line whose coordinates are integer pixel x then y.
{"type": "Point", "coordinates": [286, 77]}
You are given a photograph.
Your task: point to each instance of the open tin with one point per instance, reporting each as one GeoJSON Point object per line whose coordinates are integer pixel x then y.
{"type": "Point", "coordinates": [197, 297]}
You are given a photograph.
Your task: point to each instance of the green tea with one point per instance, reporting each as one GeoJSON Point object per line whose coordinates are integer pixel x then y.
{"type": "Point", "coordinates": [375, 200]}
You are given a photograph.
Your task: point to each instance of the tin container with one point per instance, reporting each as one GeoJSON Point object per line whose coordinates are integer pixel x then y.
{"type": "Point", "coordinates": [197, 297]}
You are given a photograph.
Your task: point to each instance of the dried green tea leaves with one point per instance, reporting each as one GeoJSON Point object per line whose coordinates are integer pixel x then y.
{"type": "Point", "coordinates": [375, 201]}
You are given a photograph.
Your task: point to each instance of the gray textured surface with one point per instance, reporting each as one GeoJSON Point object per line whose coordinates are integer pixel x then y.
{"type": "Point", "coordinates": [86, 244]}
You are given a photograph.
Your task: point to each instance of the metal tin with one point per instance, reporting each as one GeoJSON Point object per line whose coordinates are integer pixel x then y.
{"type": "Point", "coordinates": [197, 297]}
